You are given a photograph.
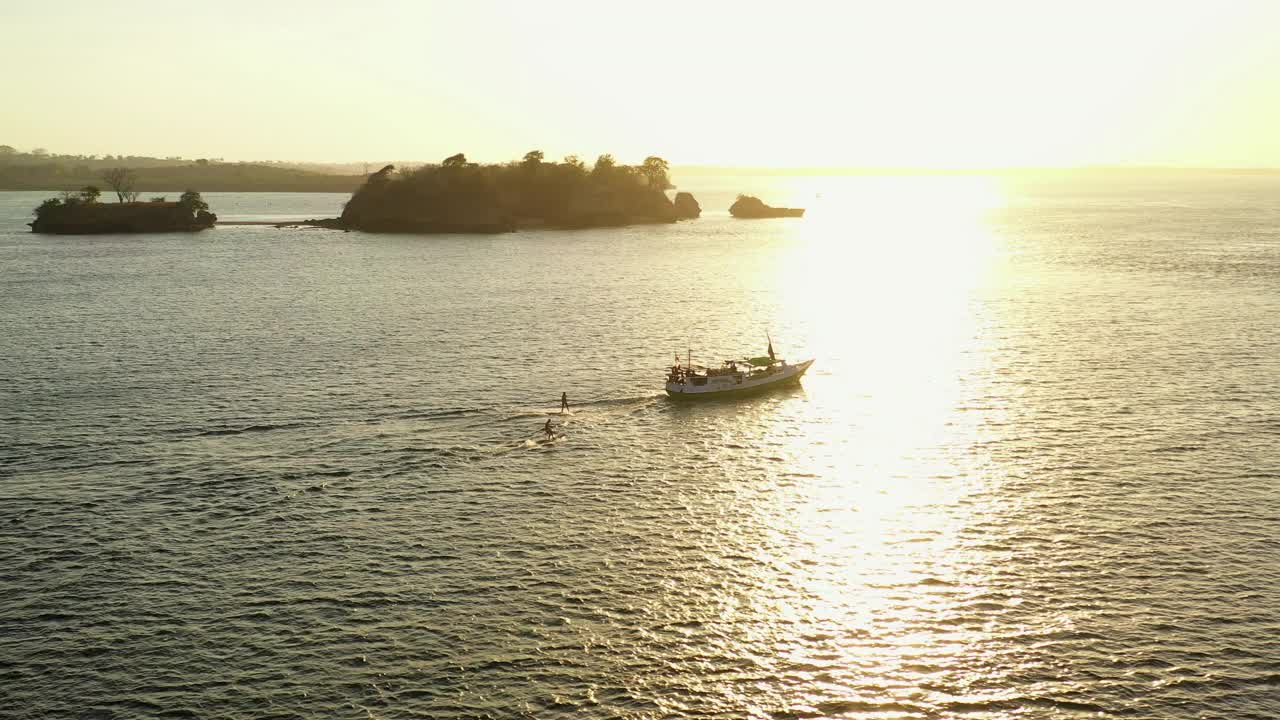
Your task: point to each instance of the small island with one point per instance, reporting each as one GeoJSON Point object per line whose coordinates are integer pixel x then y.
{"type": "Point", "coordinates": [751, 208]}
{"type": "Point", "coordinates": [458, 196]}
{"type": "Point", "coordinates": [80, 213]}
{"type": "Point", "coordinates": [687, 208]}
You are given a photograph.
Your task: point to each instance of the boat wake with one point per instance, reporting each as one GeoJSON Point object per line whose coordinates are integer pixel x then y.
{"type": "Point", "coordinates": [532, 443]}
{"type": "Point", "coordinates": [526, 413]}
{"type": "Point", "coordinates": [588, 408]}
{"type": "Point", "coordinates": [407, 440]}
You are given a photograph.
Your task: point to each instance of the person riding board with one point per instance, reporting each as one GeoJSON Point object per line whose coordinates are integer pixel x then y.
{"type": "Point", "coordinates": [564, 402]}
{"type": "Point", "coordinates": [548, 430]}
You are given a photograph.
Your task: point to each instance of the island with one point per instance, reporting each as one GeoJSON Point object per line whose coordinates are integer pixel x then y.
{"type": "Point", "coordinates": [687, 208]}
{"type": "Point", "coordinates": [749, 207]}
{"type": "Point", "coordinates": [82, 214]}
{"type": "Point", "coordinates": [457, 196]}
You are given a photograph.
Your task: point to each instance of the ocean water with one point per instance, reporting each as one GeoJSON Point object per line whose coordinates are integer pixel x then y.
{"type": "Point", "coordinates": [256, 473]}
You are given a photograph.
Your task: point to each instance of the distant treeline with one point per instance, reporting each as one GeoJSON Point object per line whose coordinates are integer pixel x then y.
{"type": "Point", "coordinates": [39, 170]}
{"type": "Point", "coordinates": [461, 196]}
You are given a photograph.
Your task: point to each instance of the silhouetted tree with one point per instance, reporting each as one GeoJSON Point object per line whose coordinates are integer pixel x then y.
{"type": "Point", "coordinates": [47, 205]}
{"type": "Point", "coordinates": [654, 170]}
{"type": "Point", "coordinates": [604, 165]}
{"type": "Point", "coordinates": [453, 161]}
{"type": "Point", "coordinates": [121, 181]}
{"type": "Point", "coordinates": [90, 193]}
{"type": "Point", "coordinates": [192, 200]}
{"type": "Point", "coordinates": [533, 158]}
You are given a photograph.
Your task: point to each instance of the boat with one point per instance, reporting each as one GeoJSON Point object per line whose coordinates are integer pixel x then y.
{"type": "Point", "coordinates": [734, 378]}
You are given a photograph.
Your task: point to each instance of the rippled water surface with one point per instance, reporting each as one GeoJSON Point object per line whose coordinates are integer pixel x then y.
{"type": "Point", "coordinates": [291, 473]}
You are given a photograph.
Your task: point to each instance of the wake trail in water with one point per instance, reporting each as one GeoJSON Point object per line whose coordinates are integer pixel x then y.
{"type": "Point", "coordinates": [582, 420]}
{"type": "Point", "coordinates": [584, 408]}
{"type": "Point", "coordinates": [404, 440]}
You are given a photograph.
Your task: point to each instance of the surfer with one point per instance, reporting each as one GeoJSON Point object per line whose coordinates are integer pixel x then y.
{"type": "Point", "coordinates": [564, 401]}
{"type": "Point", "coordinates": [551, 433]}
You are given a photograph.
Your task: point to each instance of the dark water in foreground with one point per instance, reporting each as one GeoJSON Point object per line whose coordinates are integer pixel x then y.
{"type": "Point", "coordinates": [265, 473]}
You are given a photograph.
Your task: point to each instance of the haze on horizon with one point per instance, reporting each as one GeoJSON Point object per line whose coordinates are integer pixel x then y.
{"type": "Point", "coordinates": [919, 84]}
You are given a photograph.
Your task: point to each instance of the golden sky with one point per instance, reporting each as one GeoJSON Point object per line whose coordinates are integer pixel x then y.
{"type": "Point", "coordinates": [921, 84]}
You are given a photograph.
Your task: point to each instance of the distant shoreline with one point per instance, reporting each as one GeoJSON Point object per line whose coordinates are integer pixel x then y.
{"type": "Point", "coordinates": [159, 180]}
{"type": "Point", "coordinates": [685, 170]}
{"type": "Point", "coordinates": [146, 188]}
{"type": "Point", "coordinates": [58, 174]}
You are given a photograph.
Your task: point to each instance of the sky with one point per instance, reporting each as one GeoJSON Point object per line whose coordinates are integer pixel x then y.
{"type": "Point", "coordinates": [795, 84]}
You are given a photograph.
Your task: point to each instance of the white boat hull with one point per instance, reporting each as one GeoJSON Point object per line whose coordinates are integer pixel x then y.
{"type": "Point", "coordinates": [718, 386]}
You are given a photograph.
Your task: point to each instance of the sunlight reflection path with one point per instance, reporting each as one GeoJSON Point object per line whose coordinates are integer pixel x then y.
{"type": "Point", "coordinates": [871, 558]}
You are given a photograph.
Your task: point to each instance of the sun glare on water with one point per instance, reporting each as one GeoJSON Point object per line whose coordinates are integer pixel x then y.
{"type": "Point", "coordinates": [886, 275]}
{"type": "Point", "coordinates": [887, 272]}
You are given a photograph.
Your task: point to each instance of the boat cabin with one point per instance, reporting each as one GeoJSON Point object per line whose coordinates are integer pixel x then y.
{"type": "Point", "coordinates": [730, 372]}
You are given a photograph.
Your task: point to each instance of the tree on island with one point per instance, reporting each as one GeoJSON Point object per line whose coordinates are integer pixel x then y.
{"type": "Point", "coordinates": [382, 175]}
{"type": "Point", "coordinates": [192, 201]}
{"type": "Point", "coordinates": [122, 181]}
{"type": "Point", "coordinates": [655, 170]}
{"type": "Point", "coordinates": [69, 198]}
{"type": "Point", "coordinates": [604, 166]}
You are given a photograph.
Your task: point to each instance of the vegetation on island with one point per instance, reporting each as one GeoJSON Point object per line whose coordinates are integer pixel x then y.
{"type": "Point", "coordinates": [81, 213]}
{"type": "Point", "coordinates": [453, 196]}
{"type": "Point", "coordinates": [751, 207]}
{"type": "Point", "coordinates": [461, 196]}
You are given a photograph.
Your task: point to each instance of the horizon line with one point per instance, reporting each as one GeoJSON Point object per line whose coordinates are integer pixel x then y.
{"type": "Point", "coordinates": [981, 168]}
{"type": "Point", "coordinates": [791, 169]}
